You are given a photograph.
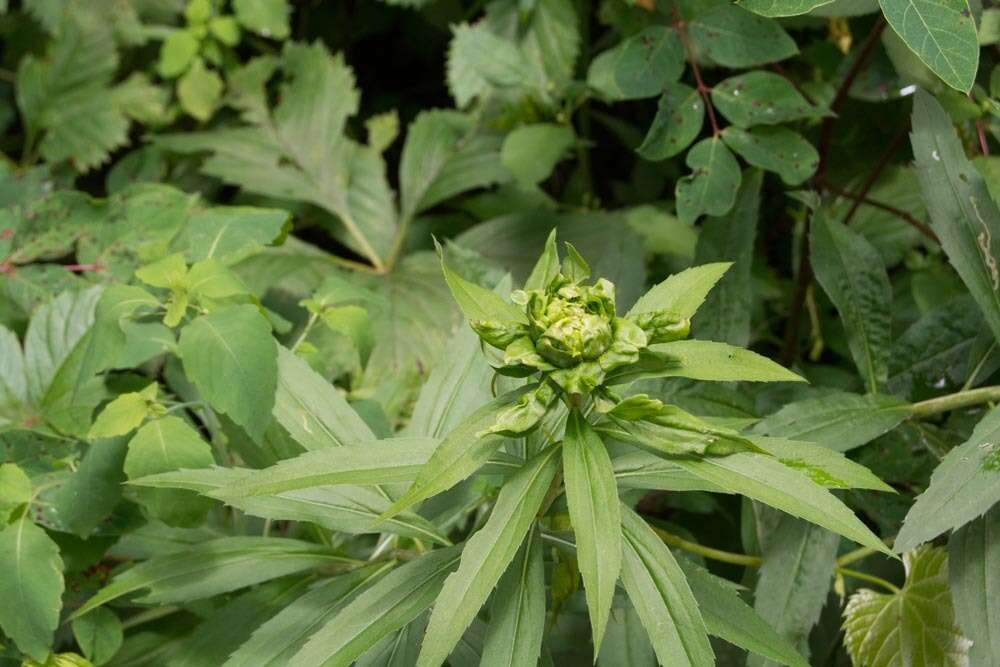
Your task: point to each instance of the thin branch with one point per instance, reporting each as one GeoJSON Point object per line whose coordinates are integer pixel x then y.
{"type": "Point", "coordinates": [888, 208]}
{"type": "Point", "coordinates": [880, 166]}
{"type": "Point", "coordinates": [703, 90]}
{"type": "Point", "coordinates": [981, 131]}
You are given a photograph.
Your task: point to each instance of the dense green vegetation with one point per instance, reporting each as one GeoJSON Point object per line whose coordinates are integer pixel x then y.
{"type": "Point", "coordinates": [507, 332]}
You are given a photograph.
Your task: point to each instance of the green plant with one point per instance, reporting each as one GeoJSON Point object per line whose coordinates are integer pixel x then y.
{"type": "Point", "coordinates": [292, 371]}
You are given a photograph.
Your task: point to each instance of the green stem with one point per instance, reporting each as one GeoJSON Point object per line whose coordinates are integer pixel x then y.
{"type": "Point", "coordinates": [961, 399]}
{"type": "Point", "coordinates": [755, 561]}
{"type": "Point", "coordinates": [708, 552]}
{"type": "Point", "coordinates": [870, 578]}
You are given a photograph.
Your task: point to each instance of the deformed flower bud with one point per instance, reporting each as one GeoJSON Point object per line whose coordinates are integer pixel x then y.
{"type": "Point", "coordinates": [662, 326]}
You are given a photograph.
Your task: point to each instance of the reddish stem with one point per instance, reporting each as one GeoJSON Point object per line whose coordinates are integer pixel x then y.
{"type": "Point", "coordinates": [703, 90]}
{"type": "Point", "coordinates": [880, 166]}
{"type": "Point", "coordinates": [981, 131]}
{"type": "Point", "coordinates": [83, 268]}
{"type": "Point", "coordinates": [898, 212]}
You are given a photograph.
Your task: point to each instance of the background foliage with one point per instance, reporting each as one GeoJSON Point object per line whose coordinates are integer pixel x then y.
{"type": "Point", "coordinates": [217, 223]}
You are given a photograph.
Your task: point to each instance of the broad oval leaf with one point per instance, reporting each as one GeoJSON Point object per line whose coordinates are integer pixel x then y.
{"type": "Point", "coordinates": [943, 35]}
{"type": "Point", "coordinates": [712, 185]}
{"type": "Point", "coordinates": [31, 587]}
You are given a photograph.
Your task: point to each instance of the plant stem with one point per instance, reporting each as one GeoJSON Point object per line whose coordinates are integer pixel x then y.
{"type": "Point", "coordinates": [703, 90]}
{"type": "Point", "coordinates": [877, 170]}
{"type": "Point", "coordinates": [755, 561]}
{"type": "Point", "coordinates": [708, 552]}
{"type": "Point", "coordinates": [898, 212]}
{"type": "Point", "coordinates": [870, 578]}
{"type": "Point", "coordinates": [961, 399]}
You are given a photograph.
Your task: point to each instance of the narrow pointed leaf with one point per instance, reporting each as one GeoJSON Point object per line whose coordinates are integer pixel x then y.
{"type": "Point", "coordinates": [517, 617]}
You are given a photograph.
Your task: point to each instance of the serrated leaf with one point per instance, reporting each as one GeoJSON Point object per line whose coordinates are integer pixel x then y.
{"type": "Point", "coordinates": [478, 303]}
{"type": "Point", "coordinates": [840, 421]}
{"type": "Point", "coordinates": [32, 587]}
{"type": "Point", "coordinates": [853, 276]}
{"type": "Point", "coordinates": [380, 462]}
{"type": "Point", "coordinates": [726, 314]}
{"type": "Point", "coordinates": [229, 234]}
{"type": "Point", "coordinates": [389, 604]}
{"type": "Point", "coordinates": [592, 497]}
{"type": "Point", "coordinates": [267, 18]}
{"type": "Point", "coordinates": [446, 154]}
{"type": "Point", "coordinates": [963, 214]}
{"type": "Point", "coordinates": [680, 114]}
{"type": "Point", "coordinates": [765, 479]}
{"type": "Point", "coordinates": [760, 98]}
{"type": "Point", "coordinates": [479, 60]}
{"type": "Point", "coordinates": [517, 616]}
{"type": "Point", "coordinates": [213, 567]}
{"type": "Point", "coordinates": [712, 185]}
{"type": "Point", "coordinates": [231, 357]}
{"type": "Point", "coordinates": [823, 465]}
{"type": "Point", "coordinates": [123, 414]}
{"type": "Point", "coordinates": [775, 149]}
{"type": "Point", "coordinates": [734, 37]}
{"type": "Point", "coordinates": [942, 34]}
{"type": "Point", "coordinates": [164, 445]}
{"type": "Point", "coordinates": [275, 641]}
{"type": "Point", "coordinates": [659, 591]}
{"type": "Point", "coordinates": [720, 362]}
{"type": "Point", "coordinates": [486, 556]}
{"type": "Point", "coordinates": [99, 634]}
{"type": "Point", "coordinates": [313, 412]}
{"type": "Point", "coordinates": [963, 487]}
{"type": "Point", "coordinates": [727, 616]}
{"type": "Point", "coordinates": [795, 578]}
{"type": "Point", "coordinates": [461, 453]}
{"type": "Point", "coordinates": [177, 52]}
{"type": "Point", "coordinates": [973, 573]}
{"type": "Point", "coordinates": [682, 293]}
{"type": "Point", "coordinates": [914, 626]}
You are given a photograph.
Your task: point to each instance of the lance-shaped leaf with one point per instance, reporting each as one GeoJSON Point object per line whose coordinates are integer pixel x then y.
{"type": "Point", "coordinates": [459, 455]}
{"type": "Point", "coordinates": [478, 303]}
{"type": "Point", "coordinates": [682, 293]}
{"type": "Point", "coordinates": [311, 409]}
{"type": "Point", "coordinates": [840, 421]}
{"type": "Point", "coordinates": [517, 616]}
{"type": "Point", "coordinates": [643, 470]}
{"type": "Point", "coordinates": [31, 587]}
{"type": "Point", "coordinates": [942, 34]}
{"type": "Point", "coordinates": [278, 639]}
{"type": "Point", "coordinates": [486, 556]}
{"type": "Point", "coordinates": [765, 479]}
{"type": "Point", "coordinates": [913, 626]}
{"type": "Point", "coordinates": [659, 591]}
{"type": "Point", "coordinates": [974, 574]}
{"type": "Point", "coordinates": [963, 486]}
{"type": "Point", "coordinates": [709, 360]}
{"type": "Point", "coordinates": [963, 214]}
{"type": "Point", "coordinates": [347, 508]}
{"type": "Point", "coordinates": [389, 604]}
{"type": "Point", "coordinates": [213, 567]}
{"type": "Point", "coordinates": [592, 497]}
{"type": "Point", "coordinates": [377, 462]}
{"type": "Point", "coordinates": [854, 277]}
{"type": "Point", "coordinates": [729, 617]}
{"type": "Point", "coordinates": [823, 465]}
{"type": "Point", "coordinates": [231, 357]}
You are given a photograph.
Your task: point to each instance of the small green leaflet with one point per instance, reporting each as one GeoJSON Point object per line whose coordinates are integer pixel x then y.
{"type": "Point", "coordinates": [645, 62]}
{"type": "Point", "coordinates": [99, 634]}
{"type": "Point", "coordinates": [943, 35]}
{"type": "Point", "coordinates": [231, 357]}
{"type": "Point", "coordinates": [973, 574]}
{"type": "Point", "coordinates": [963, 486]}
{"type": "Point", "coordinates": [31, 587]}
{"type": "Point", "coordinates": [760, 98]}
{"type": "Point", "coordinates": [486, 556]}
{"type": "Point", "coordinates": [592, 496]}
{"type": "Point", "coordinates": [712, 185]}
{"type": "Point", "coordinates": [776, 149]}
{"type": "Point", "coordinates": [268, 18]}
{"type": "Point", "coordinates": [914, 626]}
{"type": "Point", "coordinates": [531, 152]}
{"type": "Point", "coordinates": [734, 37]}
{"type": "Point", "coordinates": [659, 591]}
{"type": "Point", "coordinates": [680, 114]}
{"type": "Point", "coordinates": [854, 277]}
